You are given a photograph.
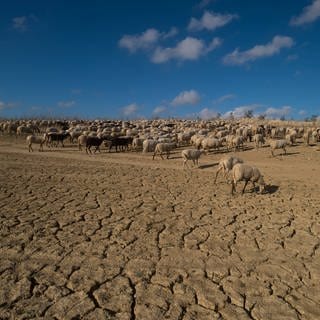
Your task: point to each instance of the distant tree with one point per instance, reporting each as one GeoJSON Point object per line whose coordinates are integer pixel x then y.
{"type": "Point", "coordinates": [248, 113]}
{"type": "Point", "coordinates": [282, 118]}
{"type": "Point", "coordinates": [261, 117]}
{"type": "Point", "coordinates": [314, 118]}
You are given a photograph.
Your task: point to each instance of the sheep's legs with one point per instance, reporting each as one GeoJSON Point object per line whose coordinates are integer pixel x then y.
{"type": "Point", "coordinates": [244, 186]}
{"type": "Point", "coordinates": [233, 187]}
{"type": "Point", "coordinates": [215, 179]}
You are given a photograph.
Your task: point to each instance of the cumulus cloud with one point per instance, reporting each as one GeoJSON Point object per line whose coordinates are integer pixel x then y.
{"type": "Point", "coordinates": [277, 113]}
{"type": "Point", "coordinates": [188, 49]}
{"type": "Point", "coordinates": [224, 98]}
{"type": "Point", "coordinates": [204, 3]}
{"type": "Point", "coordinates": [309, 14]}
{"type": "Point", "coordinates": [146, 40]}
{"type": "Point", "coordinates": [5, 105]}
{"type": "Point", "coordinates": [21, 23]}
{"type": "Point", "coordinates": [130, 110]}
{"type": "Point", "coordinates": [207, 114]}
{"type": "Point", "coordinates": [210, 21]}
{"type": "Point", "coordinates": [259, 51]}
{"type": "Point", "coordinates": [159, 110]}
{"type": "Point", "coordinates": [66, 104]}
{"type": "Point", "coordinates": [190, 97]}
{"type": "Point", "coordinates": [240, 112]}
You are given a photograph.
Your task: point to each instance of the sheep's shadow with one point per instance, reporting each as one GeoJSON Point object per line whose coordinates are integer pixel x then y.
{"type": "Point", "coordinates": [270, 189]}
{"type": "Point", "coordinates": [290, 153]}
{"type": "Point", "coordinates": [209, 165]}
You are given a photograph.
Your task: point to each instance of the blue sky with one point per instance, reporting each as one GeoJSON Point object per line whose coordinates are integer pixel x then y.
{"type": "Point", "coordinates": [170, 58]}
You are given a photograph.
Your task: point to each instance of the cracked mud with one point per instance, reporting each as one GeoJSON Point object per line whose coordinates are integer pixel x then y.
{"type": "Point", "coordinates": [119, 236]}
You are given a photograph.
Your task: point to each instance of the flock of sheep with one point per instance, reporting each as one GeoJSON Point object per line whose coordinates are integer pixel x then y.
{"type": "Point", "coordinates": [163, 136]}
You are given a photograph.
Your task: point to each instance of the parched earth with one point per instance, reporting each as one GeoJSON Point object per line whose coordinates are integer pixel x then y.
{"type": "Point", "coordinates": [119, 236]}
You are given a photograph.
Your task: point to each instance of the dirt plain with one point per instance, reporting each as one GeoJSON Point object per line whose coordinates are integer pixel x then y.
{"type": "Point", "coordinates": [119, 236]}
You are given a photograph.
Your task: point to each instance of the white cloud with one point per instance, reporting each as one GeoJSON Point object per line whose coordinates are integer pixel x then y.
{"type": "Point", "coordinates": [259, 51]}
{"type": "Point", "coordinates": [292, 57]}
{"type": "Point", "coordinates": [171, 33]}
{"type": "Point", "coordinates": [210, 21]}
{"type": "Point", "coordinates": [190, 97]}
{"type": "Point", "coordinates": [66, 104]}
{"type": "Point", "coordinates": [277, 113]}
{"type": "Point", "coordinates": [7, 105]}
{"type": "Point", "coordinates": [309, 14]}
{"type": "Point", "coordinates": [143, 41]}
{"type": "Point", "coordinates": [159, 110]}
{"type": "Point", "coordinates": [240, 112]}
{"type": "Point", "coordinates": [130, 110]}
{"type": "Point", "coordinates": [22, 23]}
{"type": "Point", "coordinates": [207, 114]}
{"type": "Point", "coordinates": [188, 49]}
{"type": "Point", "coordinates": [224, 98]}
{"type": "Point", "coordinates": [204, 3]}
{"type": "Point", "coordinates": [146, 40]}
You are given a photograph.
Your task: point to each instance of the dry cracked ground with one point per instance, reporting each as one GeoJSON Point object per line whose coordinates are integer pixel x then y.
{"type": "Point", "coordinates": [119, 236]}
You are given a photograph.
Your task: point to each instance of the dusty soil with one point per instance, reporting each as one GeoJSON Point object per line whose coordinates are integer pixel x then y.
{"type": "Point", "coordinates": [119, 236]}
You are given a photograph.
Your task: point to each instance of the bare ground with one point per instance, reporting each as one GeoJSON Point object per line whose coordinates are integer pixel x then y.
{"type": "Point", "coordinates": [119, 236]}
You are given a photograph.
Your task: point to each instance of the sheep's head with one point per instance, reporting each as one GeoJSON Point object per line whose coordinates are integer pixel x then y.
{"type": "Point", "coordinates": [262, 185]}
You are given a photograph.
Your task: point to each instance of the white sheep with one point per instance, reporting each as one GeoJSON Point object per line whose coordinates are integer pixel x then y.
{"type": "Point", "coordinates": [258, 140]}
{"type": "Point", "coordinates": [82, 140]}
{"type": "Point", "coordinates": [191, 154]}
{"type": "Point", "coordinates": [35, 139]}
{"type": "Point", "coordinates": [209, 143]}
{"type": "Point", "coordinates": [164, 148]}
{"type": "Point", "coordinates": [278, 144]}
{"type": "Point", "coordinates": [226, 164]}
{"type": "Point", "coordinates": [246, 173]}
{"type": "Point", "coordinates": [149, 145]}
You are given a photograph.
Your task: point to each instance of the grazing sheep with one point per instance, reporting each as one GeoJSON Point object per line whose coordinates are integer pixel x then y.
{"type": "Point", "coordinates": [258, 140]}
{"type": "Point", "coordinates": [237, 142]}
{"type": "Point", "coordinates": [245, 172]}
{"type": "Point", "coordinates": [291, 138]}
{"type": "Point", "coordinates": [226, 164]}
{"type": "Point", "coordinates": [35, 139]}
{"type": "Point", "coordinates": [191, 154]}
{"type": "Point", "coordinates": [209, 143]}
{"type": "Point", "coordinates": [278, 144]}
{"type": "Point", "coordinates": [164, 148]}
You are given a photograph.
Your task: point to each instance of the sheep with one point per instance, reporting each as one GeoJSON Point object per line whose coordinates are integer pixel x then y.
{"type": "Point", "coordinates": [237, 142]}
{"type": "Point", "coordinates": [278, 144]}
{"type": "Point", "coordinates": [82, 140]}
{"type": "Point", "coordinates": [137, 143]}
{"type": "Point", "coordinates": [164, 148]}
{"type": "Point", "coordinates": [291, 138]}
{"type": "Point", "coordinates": [258, 140]}
{"type": "Point", "coordinates": [226, 164]}
{"type": "Point", "coordinates": [191, 154]}
{"type": "Point", "coordinates": [209, 143]}
{"type": "Point", "coordinates": [93, 141]}
{"type": "Point", "coordinates": [35, 139]}
{"type": "Point", "coordinates": [56, 137]}
{"type": "Point", "coordinates": [245, 172]}
{"type": "Point", "coordinates": [149, 145]}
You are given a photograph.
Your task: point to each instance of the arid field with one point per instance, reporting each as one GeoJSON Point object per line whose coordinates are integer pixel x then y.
{"type": "Point", "coordinates": [121, 236]}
